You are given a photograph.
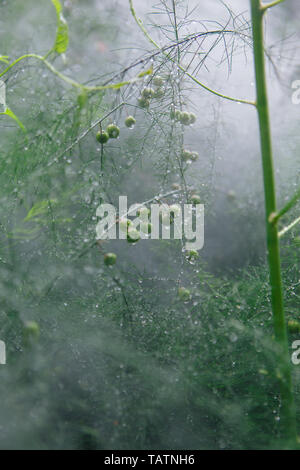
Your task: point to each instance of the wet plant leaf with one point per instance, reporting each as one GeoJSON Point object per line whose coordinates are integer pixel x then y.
{"type": "Point", "coordinates": [11, 114]}
{"type": "Point", "coordinates": [7, 111]}
{"type": "Point", "coordinates": [39, 209]}
{"type": "Point", "coordinates": [62, 32]}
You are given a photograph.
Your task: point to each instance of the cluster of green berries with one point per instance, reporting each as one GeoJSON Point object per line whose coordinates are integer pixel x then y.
{"type": "Point", "coordinates": [189, 156]}
{"type": "Point", "coordinates": [149, 93]}
{"type": "Point", "coordinates": [184, 117]}
{"type": "Point", "coordinates": [112, 132]}
{"type": "Point", "coordinates": [145, 98]}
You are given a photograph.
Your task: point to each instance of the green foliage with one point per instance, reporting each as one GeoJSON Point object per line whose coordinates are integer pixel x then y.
{"type": "Point", "coordinates": [62, 33]}
{"type": "Point", "coordinates": [7, 111]}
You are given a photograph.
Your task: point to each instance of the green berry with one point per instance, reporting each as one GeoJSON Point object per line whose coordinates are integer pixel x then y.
{"type": "Point", "coordinates": [159, 93]}
{"type": "Point", "coordinates": [143, 212]}
{"type": "Point", "coordinates": [130, 122]}
{"type": "Point", "coordinates": [148, 93]}
{"type": "Point", "coordinates": [124, 224]}
{"type": "Point", "coordinates": [231, 195]}
{"type": "Point", "coordinates": [177, 115]}
{"type": "Point", "coordinates": [195, 199]}
{"type": "Point", "coordinates": [294, 326]}
{"type": "Point", "coordinates": [194, 156]}
{"type": "Point", "coordinates": [185, 118]}
{"type": "Point", "coordinates": [187, 155]}
{"type": "Point", "coordinates": [184, 294]}
{"type": "Point", "coordinates": [192, 254]}
{"type": "Point", "coordinates": [193, 118]}
{"type": "Point", "coordinates": [102, 137]}
{"type": "Point", "coordinates": [158, 81]}
{"type": "Point", "coordinates": [113, 131]}
{"type": "Point", "coordinates": [133, 235]}
{"type": "Point", "coordinates": [144, 103]}
{"type": "Point", "coordinates": [110, 259]}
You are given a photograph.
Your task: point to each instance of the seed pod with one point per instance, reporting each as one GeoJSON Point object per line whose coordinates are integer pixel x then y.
{"type": "Point", "coordinates": [231, 195]}
{"type": "Point", "coordinates": [124, 224]}
{"type": "Point", "coordinates": [159, 93]}
{"type": "Point", "coordinates": [294, 326]}
{"type": "Point", "coordinates": [177, 115]}
{"type": "Point", "coordinates": [184, 294]}
{"type": "Point", "coordinates": [130, 122]}
{"type": "Point", "coordinates": [110, 259]}
{"type": "Point", "coordinates": [194, 156]}
{"type": "Point", "coordinates": [195, 199]}
{"type": "Point", "coordinates": [192, 255]}
{"type": "Point", "coordinates": [148, 93]}
{"type": "Point", "coordinates": [185, 118]}
{"type": "Point", "coordinates": [102, 137]}
{"type": "Point", "coordinates": [143, 212]}
{"type": "Point", "coordinates": [133, 235]}
{"type": "Point", "coordinates": [113, 131]}
{"type": "Point", "coordinates": [158, 81]}
{"type": "Point", "coordinates": [143, 102]}
{"type": "Point", "coordinates": [193, 118]}
{"type": "Point", "coordinates": [186, 155]}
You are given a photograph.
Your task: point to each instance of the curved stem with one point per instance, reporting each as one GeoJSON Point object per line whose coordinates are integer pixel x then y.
{"type": "Point", "coordinates": [66, 79]}
{"type": "Point", "coordinates": [270, 5]}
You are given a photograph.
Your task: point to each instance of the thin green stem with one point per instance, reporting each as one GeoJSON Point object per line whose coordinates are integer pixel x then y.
{"type": "Point", "coordinates": [176, 29]}
{"type": "Point", "coordinates": [286, 208]}
{"type": "Point", "coordinates": [70, 81]}
{"type": "Point", "coordinates": [289, 227]}
{"type": "Point", "coordinates": [270, 5]}
{"type": "Point", "coordinates": [288, 420]}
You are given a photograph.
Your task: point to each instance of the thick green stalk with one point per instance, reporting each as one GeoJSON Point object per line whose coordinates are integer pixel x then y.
{"type": "Point", "coordinates": [288, 420]}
